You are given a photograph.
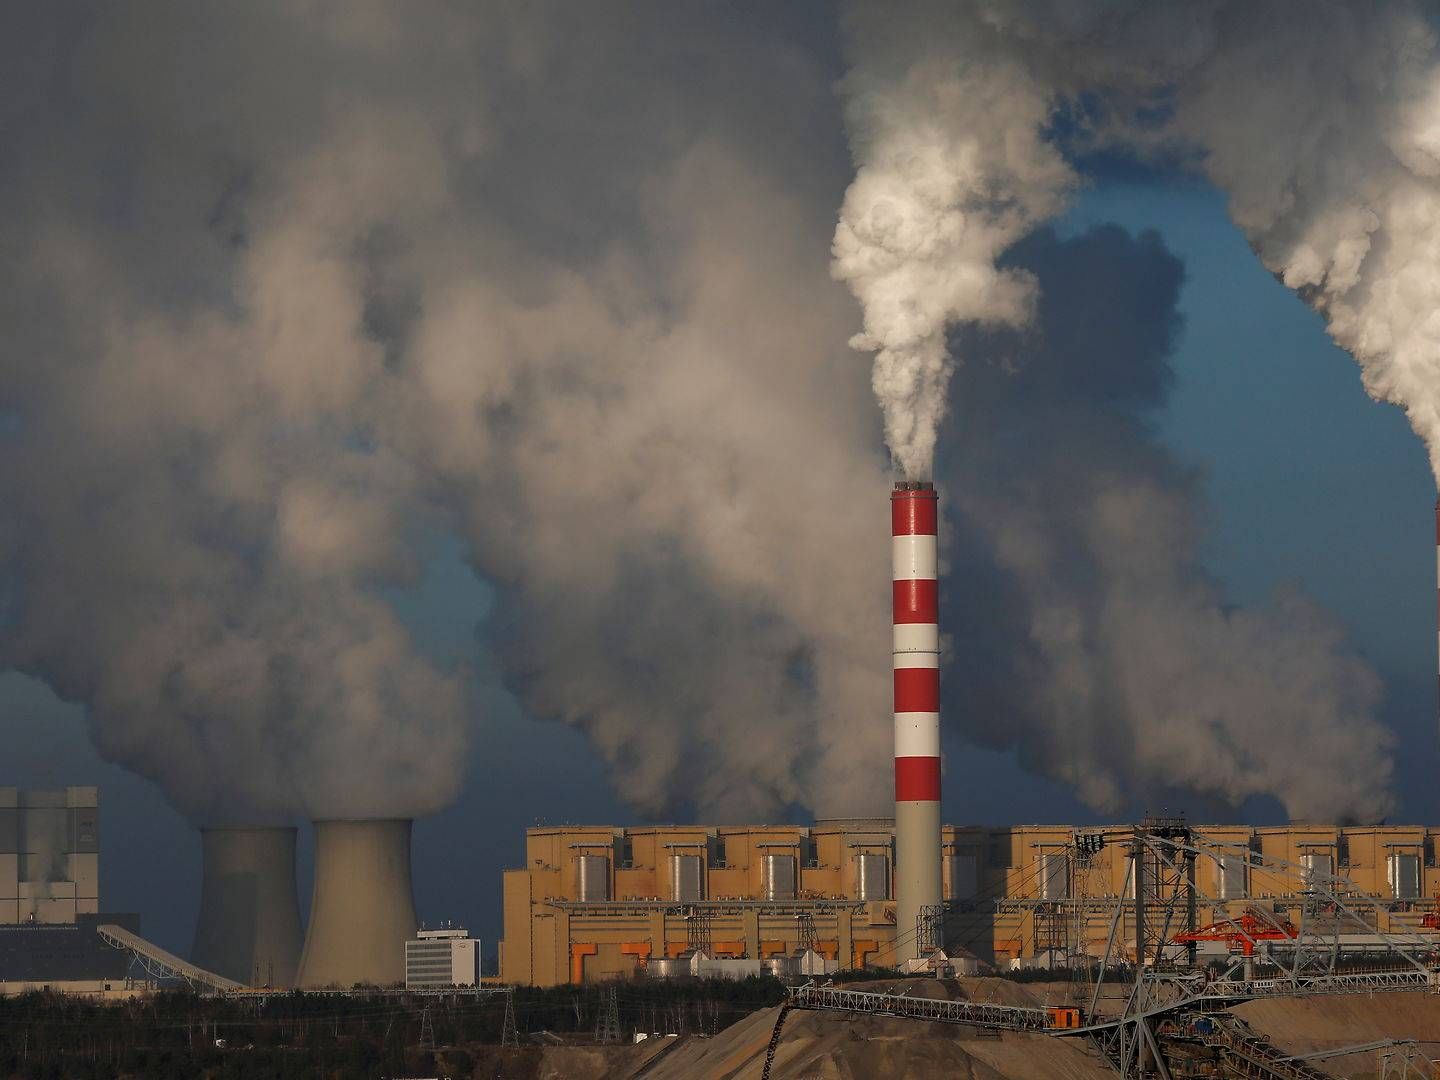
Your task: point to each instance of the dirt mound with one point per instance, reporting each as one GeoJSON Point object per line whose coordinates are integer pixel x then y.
{"type": "Point", "coordinates": [561, 1062]}
{"type": "Point", "coordinates": [831, 1046]}
{"type": "Point", "coordinates": [1327, 1022]}
{"type": "Point", "coordinates": [837, 1046]}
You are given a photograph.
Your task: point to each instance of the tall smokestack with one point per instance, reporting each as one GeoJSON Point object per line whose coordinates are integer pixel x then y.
{"type": "Point", "coordinates": [362, 911]}
{"type": "Point", "coordinates": [249, 924]}
{"type": "Point", "coordinates": [913, 519]}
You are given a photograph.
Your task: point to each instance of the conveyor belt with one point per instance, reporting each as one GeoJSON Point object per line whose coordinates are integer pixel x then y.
{"type": "Point", "coordinates": [161, 964]}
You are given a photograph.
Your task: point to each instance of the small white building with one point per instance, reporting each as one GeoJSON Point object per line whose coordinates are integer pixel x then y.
{"type": "Point", "coordinates": [439, 958]}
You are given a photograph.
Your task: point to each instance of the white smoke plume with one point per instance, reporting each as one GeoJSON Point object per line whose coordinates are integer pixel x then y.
{"type": "Point", "coordinates": [1125, 669]}
{"type": "Point", "coordinates": [289, 287]}
{"type": "Point", "coordinates": [1322, 129]}
{"type": "Point", "coordinates": [951, 170]}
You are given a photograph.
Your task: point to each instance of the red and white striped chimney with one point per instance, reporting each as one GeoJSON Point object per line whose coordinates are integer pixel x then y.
{"type": "Point", "coordinates": [913, 520]}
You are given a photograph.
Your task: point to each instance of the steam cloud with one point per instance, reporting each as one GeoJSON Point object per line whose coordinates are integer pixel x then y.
{"type": "Point", "coordinates": [1120, 645]}
{"type": "Point", "coordinates": [551, 281]}
{"type": "Point", "coordinates": [1323, 131]}
{"type": "Point", "coordinates": [288, 287]}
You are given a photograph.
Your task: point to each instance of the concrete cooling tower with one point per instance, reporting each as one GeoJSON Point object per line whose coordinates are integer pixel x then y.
{"type": "Point", "coordinates": [249, 925]}
{"type": "Point", "coordinates": [362, 911]}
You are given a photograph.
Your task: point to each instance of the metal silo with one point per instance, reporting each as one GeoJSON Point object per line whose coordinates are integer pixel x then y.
{"type": "Point", "coordinates": [1231, 874]}
{"type": "Point", "coordinates": [687, 878]}
{"type": "Point", "coordinates": [1054, 876]}
{"type": "Point", "coordinates": [872, 877]}
{"type": "Point", "coordinates": [779, 877]}
{"type": "Point", "coordinates": [592, 878]}
{"type": "Point", "coordinates": [1403, 872]}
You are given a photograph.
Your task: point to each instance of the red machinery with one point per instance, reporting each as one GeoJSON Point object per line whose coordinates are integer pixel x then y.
{"type": "Point", "coordinates": [1431, 919]}
{"type": "Point", "coordinates": [1241, 934]}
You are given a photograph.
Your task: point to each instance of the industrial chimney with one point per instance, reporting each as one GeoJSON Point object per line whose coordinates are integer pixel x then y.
{"type": "Point", "coordinates": [913, 519]}
{"type": "Point", "coordinates": [249, 925]}
{"type": "Point", "coordinates": [362, 911]}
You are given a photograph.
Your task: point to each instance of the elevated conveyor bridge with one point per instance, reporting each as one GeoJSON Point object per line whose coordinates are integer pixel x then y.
{"type": "Point", "coordinates": [160, 964]}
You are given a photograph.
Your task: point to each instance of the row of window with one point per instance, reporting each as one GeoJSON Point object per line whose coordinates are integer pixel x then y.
{"type": "Point", "coordinates": [999, 853]}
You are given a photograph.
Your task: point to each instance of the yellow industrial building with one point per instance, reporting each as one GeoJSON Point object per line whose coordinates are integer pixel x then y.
{"type": "Point", "coordinates": [599, 902]}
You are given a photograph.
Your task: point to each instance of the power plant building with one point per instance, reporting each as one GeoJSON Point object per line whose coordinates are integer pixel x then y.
{"type": "Point", "coordinates": [598, 902]}
{"type": "Point", "coordinates": [49, 855]}
{"type": "Point", "coordinates": [50, 894]}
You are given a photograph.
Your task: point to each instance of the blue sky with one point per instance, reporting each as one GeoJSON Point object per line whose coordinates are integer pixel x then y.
{"type": "Point", "coordinates": [1308, 480]}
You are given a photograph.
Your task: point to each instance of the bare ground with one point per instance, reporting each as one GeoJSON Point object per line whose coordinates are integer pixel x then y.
{"type": "Point", "coordinates": [832, 1046]}
{"type": "Point", "coordinates": [1303, 1025]}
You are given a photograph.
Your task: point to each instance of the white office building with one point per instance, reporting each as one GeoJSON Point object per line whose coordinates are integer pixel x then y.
{"type": "Point", "coordinates": [439, 958]}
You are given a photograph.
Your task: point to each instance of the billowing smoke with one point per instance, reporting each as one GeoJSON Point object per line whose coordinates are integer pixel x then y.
{"type": "Point", "coordinates": [1118, 666]}
{"type": "Point", "coordinates": [1322, 129]}
{"type": "Point", "coordinates": [289, 289]}
{"type": "Point", "coordinates": [200, 513]}
{"type": "Point", "coordinates": [951, 169]}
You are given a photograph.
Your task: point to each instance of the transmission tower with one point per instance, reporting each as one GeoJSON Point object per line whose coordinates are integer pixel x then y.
{"type": "Point", "coordinates": [427, 1030]}
{"type": "Point", "coordinates": [607, 1027]}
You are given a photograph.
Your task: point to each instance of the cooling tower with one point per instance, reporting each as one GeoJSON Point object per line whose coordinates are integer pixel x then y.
{"type": "Point", "coordinates": [249, 925]}
{"type": "Point", "coordinates": [362, 911]}
{"type": "Point", "coordinates": [913, 517]}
